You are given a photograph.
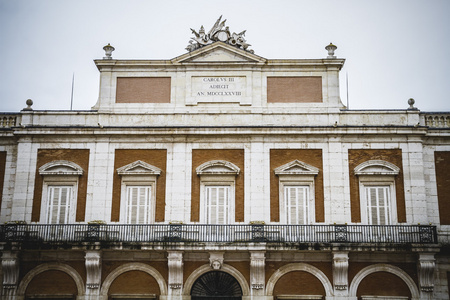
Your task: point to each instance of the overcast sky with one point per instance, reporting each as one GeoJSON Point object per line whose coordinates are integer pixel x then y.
{"type": "Point", "coordinates": [394, 49]}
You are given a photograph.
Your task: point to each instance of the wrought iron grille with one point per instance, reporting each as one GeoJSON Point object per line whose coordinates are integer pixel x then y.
{"type": "Point", "coordinates": [194, 233]}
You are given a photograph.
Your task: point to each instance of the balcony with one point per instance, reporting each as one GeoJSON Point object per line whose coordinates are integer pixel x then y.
{"type": "Point", "coordinates": [37, 236]}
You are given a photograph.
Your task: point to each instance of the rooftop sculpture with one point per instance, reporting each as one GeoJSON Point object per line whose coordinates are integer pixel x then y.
{"type": "Point", "coordinates": [218, 34]}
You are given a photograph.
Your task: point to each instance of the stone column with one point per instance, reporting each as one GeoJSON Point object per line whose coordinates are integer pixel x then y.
{"type": "Point", "coordinates": [426, 267]}
{"type": "Point", "coordinates": [175, 264]}
{"type": "Point", "coordinates": [340, 273]}
{"type": "Point", "coordinates": [10, 268]}
{"type": "Point", "coordinates": [93, 262]}
{"type": "Point", "coordinates": [257, 273]}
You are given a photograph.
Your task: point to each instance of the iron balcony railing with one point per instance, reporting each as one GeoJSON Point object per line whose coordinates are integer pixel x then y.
{"type": "Point", "coordinates": [194, 233]}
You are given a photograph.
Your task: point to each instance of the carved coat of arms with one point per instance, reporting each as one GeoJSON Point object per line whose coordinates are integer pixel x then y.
{"type": "Point", "coordinates": [218, 33]}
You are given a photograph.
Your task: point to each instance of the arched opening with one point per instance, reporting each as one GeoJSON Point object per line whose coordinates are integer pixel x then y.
{"type": "Point", "coordinates": [383, 284]}
{"type": "Point", "coordinates": [299, 283]}
{"type": "Point", "coordinates": [216, 285]}
{"type": "Point", "coordinates": [51, 283]}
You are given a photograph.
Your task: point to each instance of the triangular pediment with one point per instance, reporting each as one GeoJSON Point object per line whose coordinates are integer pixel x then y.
{"type": "Point", "coordinates": [220, 53]}
{"type": "Point", "coordinates": [296, 167]}
{"type": "Point", "coordinates": [139, 168]}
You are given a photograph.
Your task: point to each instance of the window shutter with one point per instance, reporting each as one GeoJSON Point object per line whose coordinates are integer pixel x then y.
{"type": "Point", "coordinates": [138, 204]}
{"type": "Point", "coordinates": [58, 204]}
{"type": "Point", "coordinates": [378, 205]}
{"type": "Point", "coordinates": [217, 204]}
{"type": "Point", "coordinates": [297, 204]}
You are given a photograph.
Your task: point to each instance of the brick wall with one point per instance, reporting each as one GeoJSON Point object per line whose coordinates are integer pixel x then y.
{"type": "Point", "coordinates": [155, 157]}
{"type": "Point", "coordinates": [358, 156]}
{"type": "Point", "coordinates": [143, 90]}
{"type": "Point", "coordinates": [235, 156]}
{"type": "Point", "coordinates": [294, 89]}
{"type": "Point", "coordinates": [279, 157]}
{"type": "Point", "coordinates": [78, 156]}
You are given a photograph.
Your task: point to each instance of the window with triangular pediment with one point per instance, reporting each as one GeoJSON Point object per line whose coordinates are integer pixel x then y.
{"type": "Point", "coordinates": [138, 192]}
{"type": "Point", "coordinates": [296, 181]}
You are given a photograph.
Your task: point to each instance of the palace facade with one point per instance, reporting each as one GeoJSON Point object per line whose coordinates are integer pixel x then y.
{"type": "Point", "coordinates": [220, 174]}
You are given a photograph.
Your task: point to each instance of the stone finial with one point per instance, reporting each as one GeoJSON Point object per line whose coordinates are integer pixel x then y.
{"type": "Point", "coordinates": [411, 102]}
{"type": "Point", "coordinates": [331, 48]}
{"type": "Point", "coordinates": [108, 51]}
{"type": "Point", "coordinates": [29, 103]}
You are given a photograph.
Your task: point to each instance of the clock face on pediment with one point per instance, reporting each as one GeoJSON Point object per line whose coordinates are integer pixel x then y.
{"type": "Point", "coordinates": [221, 53]}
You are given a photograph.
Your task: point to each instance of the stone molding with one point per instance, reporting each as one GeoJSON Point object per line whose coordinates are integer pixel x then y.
{"type": "Point", "coordinates": [340, 270]}
{"type": "Point", "coordinates": [10, 269]}
{"type": "Point", "coordinates": [218, 167]}
{"type": "Point", "coordinates": [257, 270]}
{"type": "Point", "coordinates": [216, 260]}
{"type": "Point", "coordinates": [426, 266]}
{"type": "Point", "coordinates": [207, 268]}
{"type": "Point", "coordinates": [139, 168]}
{"type": "Point", "coordinates": [175, 266]}
{"type": "Point", "coordinates": [299, 267]}
{"type": "Point", "coordinates": [134, 267]}
{"type": "Point", "coordinates": [377, 167]}
{"type": "Point", "coordinates": [296, 167]}
{"type": "Point", "coordinates": [52, 266]}
{"type": "Point", "coordinates": [60, 167]}
{"type": "Point", "coordinates": [93, 261]}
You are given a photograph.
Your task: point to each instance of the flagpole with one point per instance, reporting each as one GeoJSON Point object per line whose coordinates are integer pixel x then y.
{"type": "Point", "coordinates": [71, 97]}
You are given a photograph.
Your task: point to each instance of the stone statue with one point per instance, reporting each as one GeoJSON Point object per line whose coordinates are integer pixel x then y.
{"type": "Point", "coordinates": [218, 34]}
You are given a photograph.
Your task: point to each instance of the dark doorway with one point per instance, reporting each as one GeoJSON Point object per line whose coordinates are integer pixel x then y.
{"type": "Point", "coordinates": [216, 285]}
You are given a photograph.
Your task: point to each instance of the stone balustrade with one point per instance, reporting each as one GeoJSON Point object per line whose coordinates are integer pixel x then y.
{"type": "Point", "coordinates": [437, 120]}
{"type": "Point", "coordinates": [8, 120]}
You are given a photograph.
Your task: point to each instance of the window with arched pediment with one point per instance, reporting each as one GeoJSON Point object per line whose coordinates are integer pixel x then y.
{"type": "Point", "coordinates": [59, 193]}
{"type": "Point", "coordinates": [217, 190]}
{"type": "Point", "coordinates": [296, 183]}
{"type": "Point", "coordinates": [138, 192]}
{"type": "Point", "coordinates": [377, 191]}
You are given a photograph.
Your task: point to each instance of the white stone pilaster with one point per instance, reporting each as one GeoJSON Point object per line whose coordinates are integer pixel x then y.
{"type": "Point", "coordinates": [257, 273]}
{"type": "Point", "coordinates": [178, 181]}
{"type": "Point", "coordinates": [24, 181]}
{"type": "Point", "coordinates": [175, 265]}
{"type": "Point", "coordinates": [340, 273]}
{"type": "Point", "coordinates": [256, 209]}
{"type": "Point", "coordinates": [100, 178]}
{"type": "Point", "coordinates": [414, 181]}
{"type": "Point", "coordinates": [93, 262]}
{"type": "Point", "coordinates": [10, 269]}
{"type": "Point", "coordinates": [336, 182]}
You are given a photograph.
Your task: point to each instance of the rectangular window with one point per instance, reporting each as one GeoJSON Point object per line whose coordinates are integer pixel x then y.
{"type": "Point", "coordinates": [138, 209]}
{"type": "Point", "coordinates": [217, 204]}
{"type": "Point", "coordinates": [59, 204]}
{"type": "Point", "coordinates": [378, 205]}
{"type": "Point", "coordinates": [296, 204]}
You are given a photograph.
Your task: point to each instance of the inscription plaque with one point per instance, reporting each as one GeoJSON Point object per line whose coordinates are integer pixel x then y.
{"type": "Point", "coordinates": [218, 88]}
